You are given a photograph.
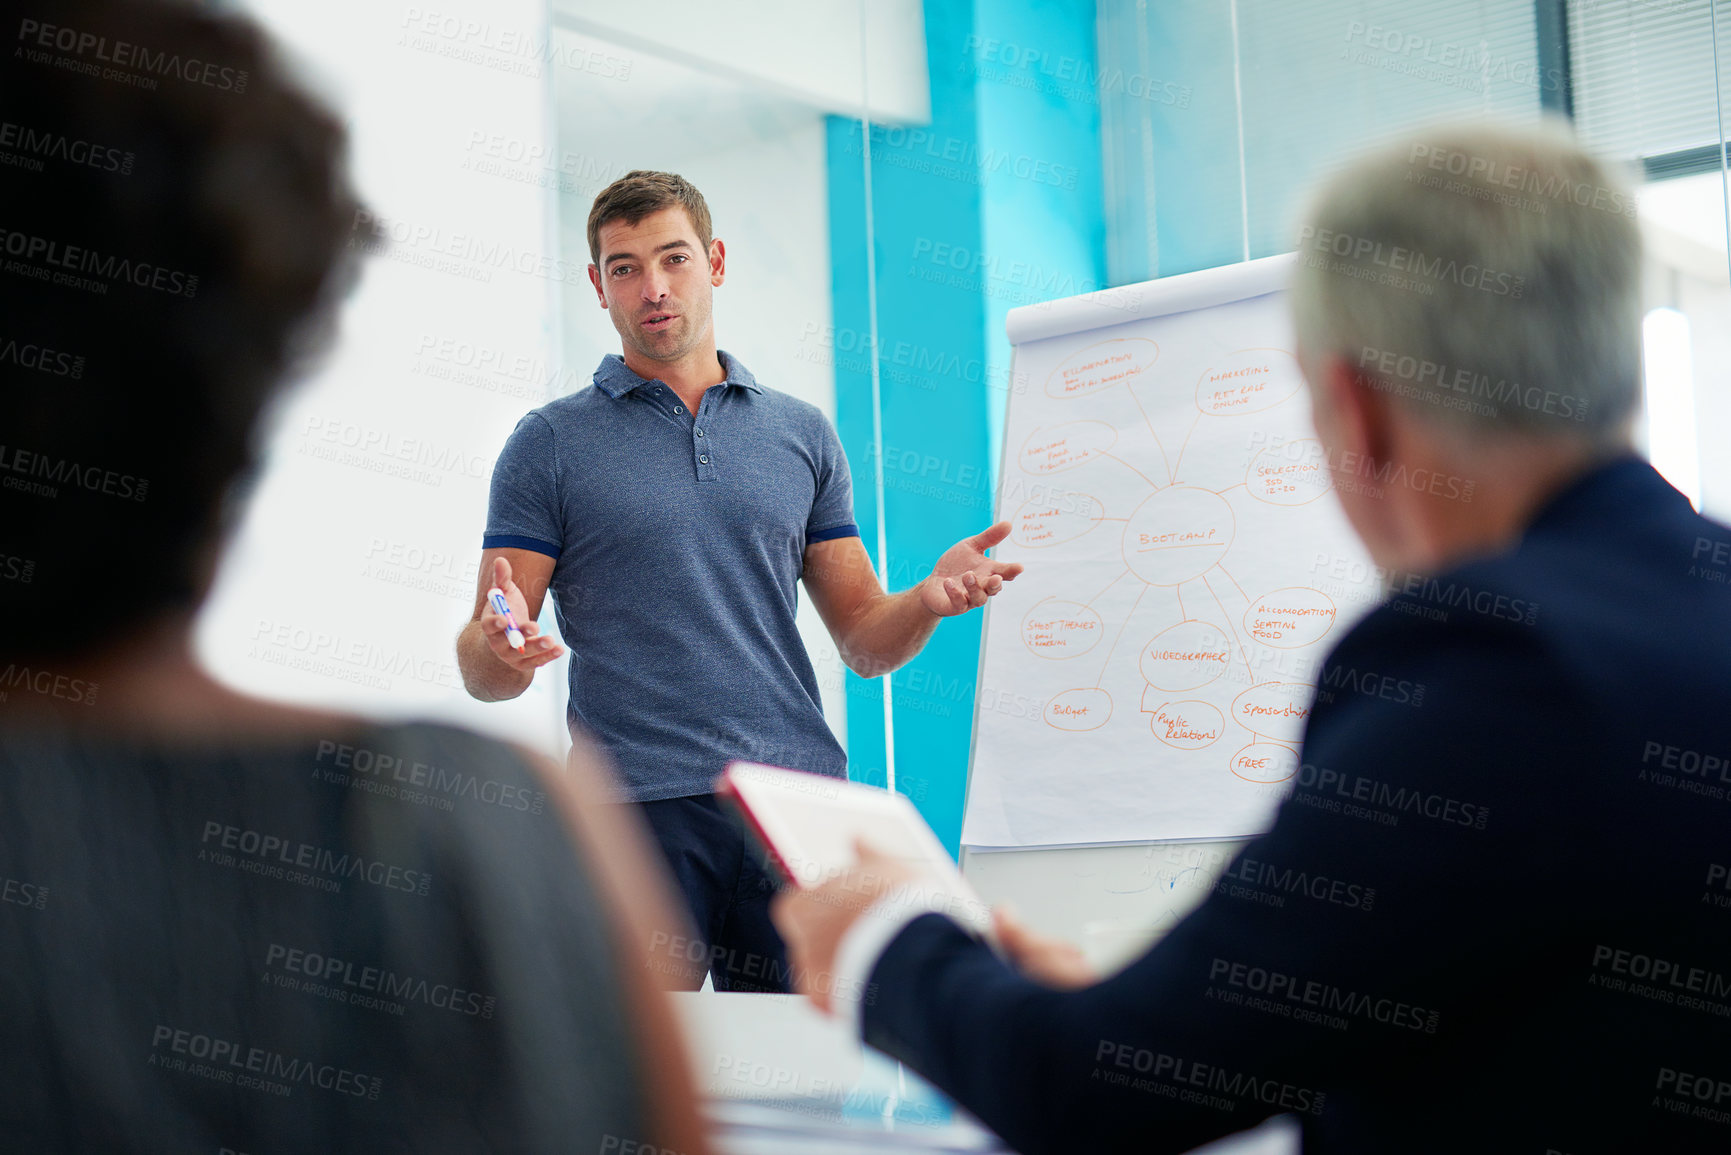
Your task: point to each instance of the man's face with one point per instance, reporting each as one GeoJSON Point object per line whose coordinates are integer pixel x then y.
{"type": "Point", "coordinates": [657, 283]}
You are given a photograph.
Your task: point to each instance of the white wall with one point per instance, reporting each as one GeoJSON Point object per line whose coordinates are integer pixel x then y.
{"type": "Point", "coordinates": [479, 137]}
{"type": "Point", "coordinates": [806, 51]}
{"type": "Point", "coordinates": [356, 565]}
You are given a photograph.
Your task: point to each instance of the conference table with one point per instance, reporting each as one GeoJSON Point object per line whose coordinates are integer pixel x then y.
{"type": "Point", "coordinates": [778, 1078]}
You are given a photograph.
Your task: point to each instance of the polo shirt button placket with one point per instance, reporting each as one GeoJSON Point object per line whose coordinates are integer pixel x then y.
{"type": "Point", "coordinates": [697, 430]}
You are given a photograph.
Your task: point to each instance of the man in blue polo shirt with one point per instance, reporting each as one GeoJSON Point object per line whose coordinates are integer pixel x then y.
{"type": "Point", "coordinates": [672, 509]}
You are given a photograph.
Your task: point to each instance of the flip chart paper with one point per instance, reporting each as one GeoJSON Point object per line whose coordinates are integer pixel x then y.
{"type": "Point", "coordinates": [1150, 674]}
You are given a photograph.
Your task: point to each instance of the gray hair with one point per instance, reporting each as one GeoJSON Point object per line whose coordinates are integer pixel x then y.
{"type": "Point", "coordinates": [1487, 276]}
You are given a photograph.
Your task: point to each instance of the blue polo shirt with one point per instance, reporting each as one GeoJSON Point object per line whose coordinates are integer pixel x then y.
{"type": "Point", "coordinates": [679, 540]}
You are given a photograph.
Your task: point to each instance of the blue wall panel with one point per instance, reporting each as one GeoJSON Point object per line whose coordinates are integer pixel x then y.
{"type": "Point", "coordinates": [995, 203]}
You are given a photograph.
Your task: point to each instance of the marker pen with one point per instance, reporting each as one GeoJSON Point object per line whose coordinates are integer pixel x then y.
{"type": "Point", "coordinates": [512, 633]}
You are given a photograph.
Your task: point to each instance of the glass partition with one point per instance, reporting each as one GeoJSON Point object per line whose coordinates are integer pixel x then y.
{"type": "Point", "coordinates": [891, 178]}
{"type": "Point", "coordinates": [742, 110]}
{"type": "Point", "coordinates": [1213, 120]}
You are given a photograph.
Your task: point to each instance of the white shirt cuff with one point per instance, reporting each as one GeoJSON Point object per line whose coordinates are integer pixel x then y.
{"type": "Point", "coordinates": [866, 940]}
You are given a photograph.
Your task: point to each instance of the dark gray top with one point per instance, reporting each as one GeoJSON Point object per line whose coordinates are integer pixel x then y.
{"type": "Point", "coordinates": [374, 941]}
{"type": "Point", "coordinates": [680, 539]}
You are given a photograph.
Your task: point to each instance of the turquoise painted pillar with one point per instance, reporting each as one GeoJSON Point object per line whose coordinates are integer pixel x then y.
{"type": "Point", "coordinates": [1043, 209]}
{"type": "Point", "coordinates": [995, 203]}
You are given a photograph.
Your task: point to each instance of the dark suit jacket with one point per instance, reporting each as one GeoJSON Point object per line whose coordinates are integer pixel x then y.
{"type": "Point", "coordinates": [1493, 915]}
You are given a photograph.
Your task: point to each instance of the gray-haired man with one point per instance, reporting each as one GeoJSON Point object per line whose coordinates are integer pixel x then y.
{"type": "Point", "coordinates": [1487, 922]}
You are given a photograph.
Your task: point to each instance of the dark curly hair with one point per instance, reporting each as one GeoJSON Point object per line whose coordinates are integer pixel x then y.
{"type": "Point", "coordinates": [175, 239]}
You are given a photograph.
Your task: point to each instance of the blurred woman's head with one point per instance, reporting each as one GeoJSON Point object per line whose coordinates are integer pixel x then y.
{"type": "Point", "coordinates": [175, 237]}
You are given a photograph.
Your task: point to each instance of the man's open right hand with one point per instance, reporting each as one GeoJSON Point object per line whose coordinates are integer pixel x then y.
{"type": "Point", "coordinates": [537, 651]}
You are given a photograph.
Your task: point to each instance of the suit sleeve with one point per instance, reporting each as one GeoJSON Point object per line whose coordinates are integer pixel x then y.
{"type": "Point", "coordinates": [1334, 951]}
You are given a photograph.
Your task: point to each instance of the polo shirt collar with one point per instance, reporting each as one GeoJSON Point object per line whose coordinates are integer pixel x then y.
{"type": "Point", "coordinates": [615, 379]}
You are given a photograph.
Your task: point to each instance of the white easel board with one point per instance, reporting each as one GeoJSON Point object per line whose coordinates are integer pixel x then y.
{"type": "Point", "coordinates": [1149, 675]}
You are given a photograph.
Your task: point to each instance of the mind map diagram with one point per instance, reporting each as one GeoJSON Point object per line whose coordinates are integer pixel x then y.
{"type": "Point", "coordinates": [1227, 635]}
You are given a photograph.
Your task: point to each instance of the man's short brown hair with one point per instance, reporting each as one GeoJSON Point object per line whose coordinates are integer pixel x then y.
{"type": "Point", "coordinates": [641, 192]}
